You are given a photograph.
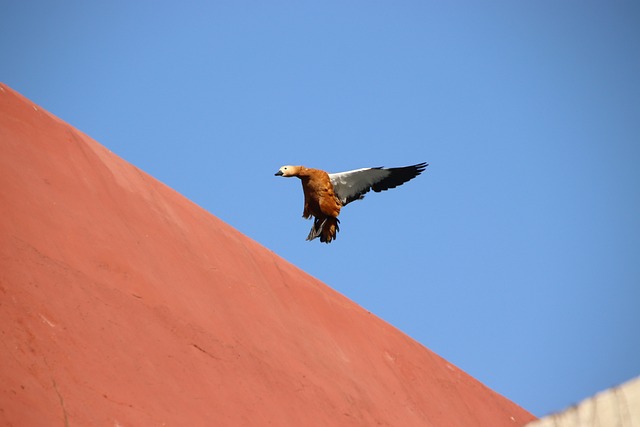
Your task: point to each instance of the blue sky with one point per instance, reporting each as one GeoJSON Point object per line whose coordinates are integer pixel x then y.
{"type": "Point", "coordinates": [516, 255]}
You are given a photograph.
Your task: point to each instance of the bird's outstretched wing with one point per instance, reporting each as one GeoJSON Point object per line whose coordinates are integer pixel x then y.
{"type": "Point", "coordinates": [353, 185]}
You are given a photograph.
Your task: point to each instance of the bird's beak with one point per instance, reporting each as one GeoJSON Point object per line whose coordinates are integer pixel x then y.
{"type": "Point", "coordinates": [279, 173]}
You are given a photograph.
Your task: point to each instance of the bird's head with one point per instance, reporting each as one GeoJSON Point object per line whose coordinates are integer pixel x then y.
{"type": "Point", "coordinates": [288, 171]}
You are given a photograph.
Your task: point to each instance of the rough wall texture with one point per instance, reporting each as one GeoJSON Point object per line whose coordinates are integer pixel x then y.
{"type": "Point", "coordinates": [124, 304]}
{"type": "Point", "coordinates": [615, 407]}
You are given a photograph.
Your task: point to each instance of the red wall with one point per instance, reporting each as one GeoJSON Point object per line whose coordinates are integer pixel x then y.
{"type": "Point", "coordinates": [124, 304]}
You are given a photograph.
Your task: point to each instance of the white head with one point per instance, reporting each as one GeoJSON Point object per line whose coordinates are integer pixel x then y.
{"type": "Point", "coordinates": [288, 171]}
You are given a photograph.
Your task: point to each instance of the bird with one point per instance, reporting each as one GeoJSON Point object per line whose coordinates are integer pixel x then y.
{"type": "Point", "coordinates": [326, 193]}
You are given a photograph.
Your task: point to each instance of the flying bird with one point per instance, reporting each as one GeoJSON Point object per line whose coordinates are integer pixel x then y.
{"type": "Point", "coordinates": [326, 193]}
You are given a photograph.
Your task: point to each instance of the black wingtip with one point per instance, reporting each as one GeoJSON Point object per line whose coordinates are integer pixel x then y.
{"type": "Point", "coordinates": [399, 176]}
{"type": "Point", "coordinates": [420, 167]}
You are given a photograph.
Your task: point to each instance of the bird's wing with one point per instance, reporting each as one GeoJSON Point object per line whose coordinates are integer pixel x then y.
{"type": "Point", "coordinates": [353, 185]}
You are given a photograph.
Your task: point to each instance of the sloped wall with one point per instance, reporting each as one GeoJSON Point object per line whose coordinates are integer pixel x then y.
{"type": "Point", "coordinates": [124, 304]}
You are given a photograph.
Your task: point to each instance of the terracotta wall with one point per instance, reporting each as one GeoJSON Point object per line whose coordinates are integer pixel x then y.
{"type": "Point", "coordinates": [124, 304]}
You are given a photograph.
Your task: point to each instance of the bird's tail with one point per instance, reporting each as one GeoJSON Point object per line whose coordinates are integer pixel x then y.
{"type": "Point", "coordinates": [325, 228]}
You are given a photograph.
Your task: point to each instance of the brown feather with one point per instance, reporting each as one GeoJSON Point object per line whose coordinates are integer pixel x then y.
{"type": "Point", "coordinates": [330, 230]}
{"type": "Point", "coordinates": [320, 202]}
{"type": "Point", "coordinates": [319, 198]}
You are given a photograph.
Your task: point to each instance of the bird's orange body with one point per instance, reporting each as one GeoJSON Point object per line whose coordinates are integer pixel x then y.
{"type": "Point", "coordinates": [320, 202]}
{"type": "Point", "coordinates": [319, 197]}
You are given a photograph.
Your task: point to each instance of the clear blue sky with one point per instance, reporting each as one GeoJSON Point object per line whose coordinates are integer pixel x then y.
{"type": "Point", "coordinates": [516, 255]}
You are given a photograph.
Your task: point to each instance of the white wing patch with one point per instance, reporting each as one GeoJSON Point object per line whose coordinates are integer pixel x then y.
{"type": "Point", "coordinates": [353, 185]}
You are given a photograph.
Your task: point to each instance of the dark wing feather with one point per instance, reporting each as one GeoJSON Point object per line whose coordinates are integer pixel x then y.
{"type": "Point", "coordinates": [398, 176]}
